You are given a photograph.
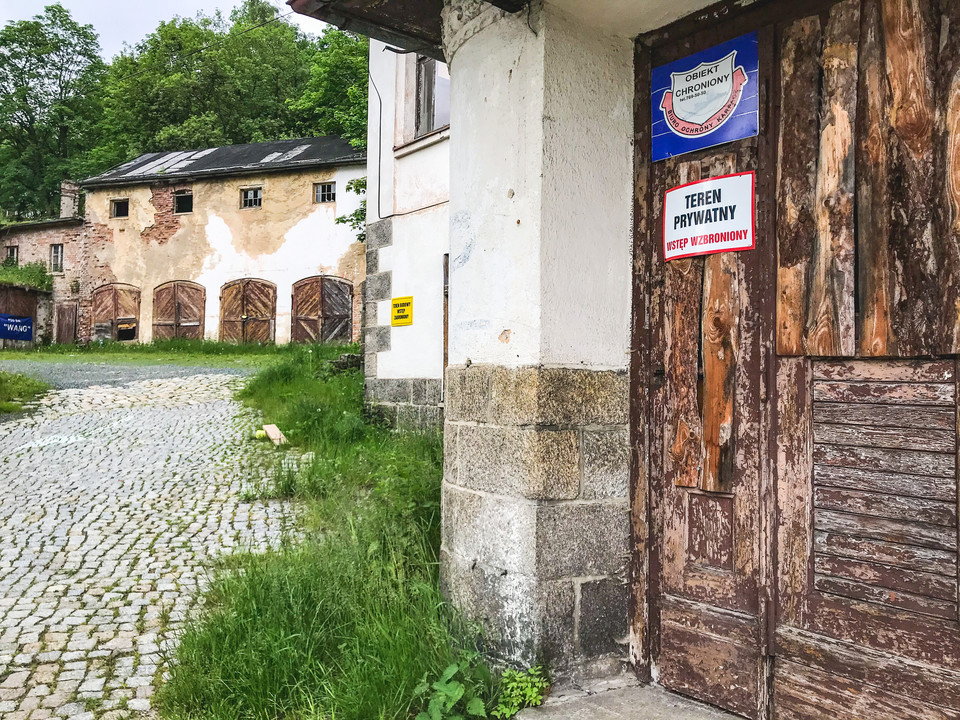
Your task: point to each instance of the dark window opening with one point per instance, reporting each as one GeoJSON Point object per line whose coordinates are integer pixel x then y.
{"type": "Point", "coordinates": [183, 202]}
{"type": "Point", "coordinates": [251, 197]}
{"type": "Point", "coordinates": [13, 255]}
{"type": "Point", "coordinates": [56, 258]}
{"type": "Point", "coordinates": [126, 331]}
{"type": "Point", "coordinates": [433, 96]}
{"type": "Point", "coordinates": [120, 208]}
{"type": "Point", "coordinates": [324, 192]}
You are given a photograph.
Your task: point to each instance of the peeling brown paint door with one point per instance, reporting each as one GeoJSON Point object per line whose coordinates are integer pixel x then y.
{"type": "Point", "coordinates": [178, 310]}
{"type": "Point", "coordinates": [704, 432]}
{"type": "Point", "coordinates": [66, 327]}
{"type": "Point", "coordinates": [248, 311]}
{"type": "Point", "coordinates": [322, 310]}
{"type": "Point", "coordinates": [116, 312]}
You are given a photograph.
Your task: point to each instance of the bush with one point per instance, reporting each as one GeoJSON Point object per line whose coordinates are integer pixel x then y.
{"type": "Point", "coordinates": [33, 274]}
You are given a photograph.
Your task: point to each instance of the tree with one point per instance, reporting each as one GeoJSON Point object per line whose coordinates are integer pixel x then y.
{"type": "Point", "coordinates": [335, 100]}
{"type": "Point", "coordinates": [49, 71]}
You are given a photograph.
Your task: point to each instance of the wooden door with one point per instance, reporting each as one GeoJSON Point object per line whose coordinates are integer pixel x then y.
{"type": "Point", "coordinates": [248, 310]}
{"type": "Point", "coordinates": [178, 310]}
{"type": "Point", "coordinates": [66, 323]}
{"type": "Point", "coordinates": [322, 310]}
{"type": "Point", "coordinates": [709, 329]}
{"type": "Point", "coordinates": [116, 312]}
{"type": "Point", "coordinates": [306, 305]}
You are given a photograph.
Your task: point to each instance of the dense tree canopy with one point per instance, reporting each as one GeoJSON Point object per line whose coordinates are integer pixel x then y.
{"type": "Point", "coordinates": [192, 83]}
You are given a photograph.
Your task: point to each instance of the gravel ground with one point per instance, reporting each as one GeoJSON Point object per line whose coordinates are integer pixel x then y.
{"type": "Point", "coordinates": [66, 375]}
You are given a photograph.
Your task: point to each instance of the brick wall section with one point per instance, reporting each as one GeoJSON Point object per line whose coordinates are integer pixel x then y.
{"type": "Point", "coordinates": [165, 222]}
{"type": "Point", "coordinates": [536, 512]}
{"type": "Point", "coordinates": [403, 402]}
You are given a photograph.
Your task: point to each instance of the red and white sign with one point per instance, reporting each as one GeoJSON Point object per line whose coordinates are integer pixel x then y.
{"type": "Point", "coordinates": [709, 216]}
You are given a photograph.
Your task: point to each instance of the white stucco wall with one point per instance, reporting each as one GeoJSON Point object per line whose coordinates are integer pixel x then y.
{"type": "Point", "coordinates": [541, 194]}
{"type": "Point", "coordinates": [412, 181]}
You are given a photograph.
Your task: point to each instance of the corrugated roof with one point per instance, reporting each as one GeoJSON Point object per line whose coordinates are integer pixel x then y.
{"type": "Point", "coordinates": [299, 153]}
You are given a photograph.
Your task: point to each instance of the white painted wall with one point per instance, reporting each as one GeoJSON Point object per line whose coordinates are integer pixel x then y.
{"type": "Point", "coordinates": [541, 193]}
{"type": "Point", "coordinates": [412, 182]}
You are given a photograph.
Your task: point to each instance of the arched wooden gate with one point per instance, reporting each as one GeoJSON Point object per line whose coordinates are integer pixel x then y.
{"type": "Point", "coordinates": [116, 312]}
{"type": "Point", "coordinates": [178, 309]}
{"type": "Point", "coordinates": [322, 310]}
{"type": "Point", "coordinates": [248, 311]}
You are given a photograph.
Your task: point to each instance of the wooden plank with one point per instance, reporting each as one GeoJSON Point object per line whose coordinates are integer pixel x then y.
{"type": "Point", "coordinates": [941, 562]}
{"type": "Point", "coordinates": [875, 276]}
{"type": "Point", "coordinates": [895, 531]}
{"type": "Point", "coordinates": [885, 596]}
{"type": "Point", "coordinates": [702, 619]}
{"type": "Point", "coordinates": [886, 437]}
{"type": "Point", "coordinates": [892, 578]}
{"type": "Point", "coordinates": [831, 312]}
{"type": "Point", "coordinates": [275, 435]}
{"type": "Point", "coordinates": [796, 181]}
{"type": "Point", "coordinates": [895, 507]}
{"type": "Point", "coordinates": [937, 488]}
{"type": "Point", "coordinates": [887, 393]}
{"type": "Point", "coordinates": [719, 346]}
{"type": "Point", "coordinates": [922, 371]}
{"type": "Point", "coordinates": [803, 693]}
{"type": "Point", "coordinates": [710, 529]}
{"type": "Point", "coordinates": [909, 462]}
{"type": "Point", "coordinates": [911, 37]}
{"type": "Point", "coordinates": [715, 670]}
{"type": "Point", "coordinates": [948, 171]}
{"type": "Point", "coordinates": [864, 666]}
{"type": "Point", "coordinates": [794, 463]}
{"type": "Point", "coordinates": [684, 283]}
{"type": "Point", "coordinates": [877, 415]}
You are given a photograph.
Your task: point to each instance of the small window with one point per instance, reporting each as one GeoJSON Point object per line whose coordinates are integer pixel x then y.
{"type": "Point", "coordinates": [56, 258]}
{"type": "Point", "coordinates": [183, 202]}
{"type": "Point", "coordinates": [433, 96]}
{"type": "Point", "coordinates": [120, 208]}
{"type": "Point", "coordinates": [251, 197]}
{"type": "Point", "coordinates": [324, 192]}
{"type": "Point", "coordinates": [13, 255]}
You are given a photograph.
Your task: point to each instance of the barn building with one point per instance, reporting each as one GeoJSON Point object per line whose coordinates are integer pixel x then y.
{"type": "Point", "coordinates": [733, 473]}
{"type": "Point", "coordinates": [236, 243]}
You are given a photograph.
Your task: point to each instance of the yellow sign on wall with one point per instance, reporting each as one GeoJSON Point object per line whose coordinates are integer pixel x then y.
{"type": "Point", "coordinates": [401, 311]}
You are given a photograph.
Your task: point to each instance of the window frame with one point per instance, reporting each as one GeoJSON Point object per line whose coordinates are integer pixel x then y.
{"type": "Point", "coordinates": [113, 207]}
{"type": "Point", "coordinates": [318, 192]}
{"type": "Point", "coordinates": [15, 254]}
{"type": "Point", "coordinates": [258, 199]}
{"type": "Point", "coordinates": [182, 194]}
{"type": "Point", "coordinates": [56, 267]}
{"type": "Point", "coordinates": [425, 96]}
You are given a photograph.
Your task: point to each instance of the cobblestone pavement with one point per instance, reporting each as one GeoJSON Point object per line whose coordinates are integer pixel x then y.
{"type": "Point", "coordinates": [112, 502]}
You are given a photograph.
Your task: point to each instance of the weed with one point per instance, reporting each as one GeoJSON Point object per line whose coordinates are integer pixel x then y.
{"type": "Point", "coordinates": [459, 692]}
{"type": "Point", "coordinates": [15, 390]}
{"type": "Point", "coordinates": [520, 689]}
{"type": "Point", "coordinates": [32, 274]}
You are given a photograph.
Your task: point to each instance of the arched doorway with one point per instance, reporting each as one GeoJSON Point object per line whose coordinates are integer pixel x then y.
{"type": "Point", "coordinates": [178, 308]}
{"type": "Point", "coordinates": [322, 310]}
{"type": "Point", "coordinates": [248, 311]}
{"type": "Point", "coordinates": [116, 312]}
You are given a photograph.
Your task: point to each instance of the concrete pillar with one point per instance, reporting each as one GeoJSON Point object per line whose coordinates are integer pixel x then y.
{"type": "Point", "coordinates": [535, 500]}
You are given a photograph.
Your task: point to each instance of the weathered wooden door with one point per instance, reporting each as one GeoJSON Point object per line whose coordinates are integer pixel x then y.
{"type": "Point", "coordinates": [248, 311]}
{"type": "Point", "coordinates": [322, 310]}
{"type": "Point", "coordinates": [709, 327]}
{"type": "Point", "coordinates": [66, 323]}
{"type": "Point", "coordinates": [116, 312]}
{"type": "Point", "coordinates": [178, 310]}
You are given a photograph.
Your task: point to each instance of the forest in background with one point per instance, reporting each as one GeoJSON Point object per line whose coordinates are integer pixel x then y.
{"type": "Point", "coordinates": [193, 83]}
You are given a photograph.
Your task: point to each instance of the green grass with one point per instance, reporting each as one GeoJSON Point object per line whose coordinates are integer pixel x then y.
{"type": "Point", "coordinates": [33, 274]}
{"type": "Point", "coordinates": [345, 623]}
{"type": "Point", "coordinates": [18, 389]}
{"type": "Point", "coordinates": [166, 352]}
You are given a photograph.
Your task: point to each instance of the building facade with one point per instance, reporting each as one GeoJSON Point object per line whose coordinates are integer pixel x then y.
{"type": "Point", "coordinates": [408, 236]}
{"type": "Point", "coordinates": [734, 473]}
{"type": "Point", "coordinates": [237, 243]}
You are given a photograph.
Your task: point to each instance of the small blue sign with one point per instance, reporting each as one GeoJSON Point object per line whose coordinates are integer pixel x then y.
{"type": "Point", "coordinates": [16, 328]}
{"type": "Point", "coordinates": [706, 99]}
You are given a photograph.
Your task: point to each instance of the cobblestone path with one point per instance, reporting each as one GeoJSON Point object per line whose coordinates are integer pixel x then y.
{"type": "Point", "coordinates": [112, 502]}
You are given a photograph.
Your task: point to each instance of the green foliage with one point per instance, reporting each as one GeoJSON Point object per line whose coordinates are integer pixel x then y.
{"type": "Point", "coordinates": [335, 99]}
{"type": "Point", "coordinates": [357, 220]}
{"type": "Point", "coordinates": [33, 274]}
{"type": "Point", "coordinates": [459, 692]}
{"type": "Point", "coordinates": [18, 389]}
{"type": "Point", "coordinates": [49, 69]}
{"type": "Point", "coordinates": [520, 689]}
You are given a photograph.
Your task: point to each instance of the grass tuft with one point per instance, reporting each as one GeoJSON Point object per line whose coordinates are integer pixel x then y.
{"type": "Point", "coordinates": [15, 390]}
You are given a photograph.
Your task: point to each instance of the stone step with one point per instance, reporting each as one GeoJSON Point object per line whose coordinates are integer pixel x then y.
{"type": "Point", "coordinates": [644, 702]}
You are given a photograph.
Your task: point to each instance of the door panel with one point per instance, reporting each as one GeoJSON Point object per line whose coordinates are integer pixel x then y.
{"type": "Point", "coordinates": [231, 312]}
{"type": "Point", "coordinates": [306, 310]}
{"type": "Point", "coordinates": [248, 311]}
{"type": "Point", "coordinates": [66, 330]}
{"type": "Point", "coordinates": [178, 310]}
{"type": "Point", "coordinates": [116, 312]}
{"type": "Point", "coordinates": [165, 312]}
{"type": "Point", "coordinates": [336, 310]}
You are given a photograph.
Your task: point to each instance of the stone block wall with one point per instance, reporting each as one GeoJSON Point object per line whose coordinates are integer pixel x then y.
{"type": "Point", "coordinates": [536, 512]}
{"type": "Point", "coordinates": [410, 403]}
